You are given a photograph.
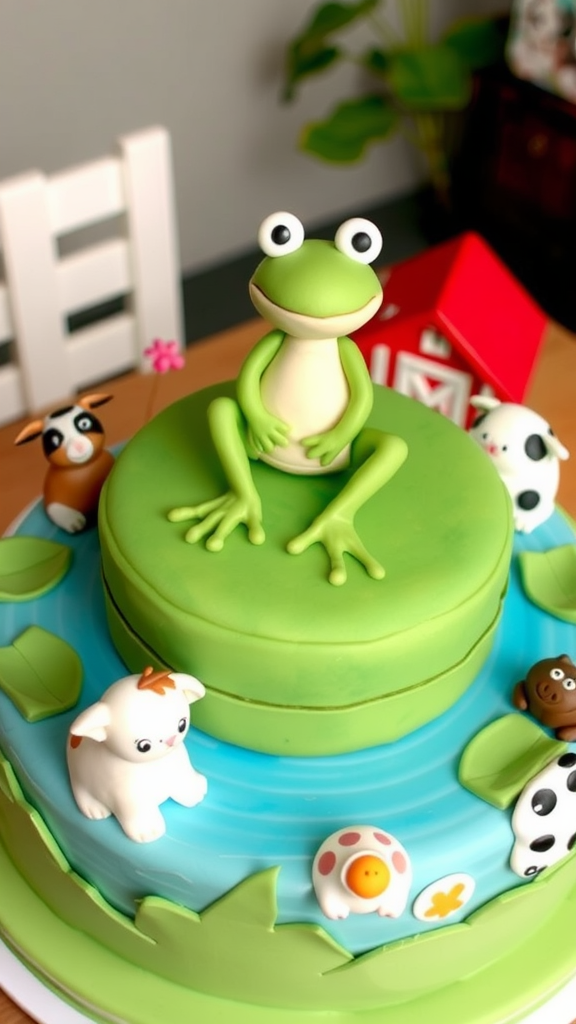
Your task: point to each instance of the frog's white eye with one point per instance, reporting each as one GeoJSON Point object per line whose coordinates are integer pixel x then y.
{"type": "Point", "coordinates": [556, 673]}
{"type": "Point", "coordinates": [360, 239]}
{"type": "Point", "coordinates": [569, 684]}
{"type": "Point", "coordinates": [280, 234]}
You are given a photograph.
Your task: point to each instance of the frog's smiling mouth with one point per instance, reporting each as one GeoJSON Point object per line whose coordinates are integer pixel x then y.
{"type": "Point", "coordinates": [304, 325]}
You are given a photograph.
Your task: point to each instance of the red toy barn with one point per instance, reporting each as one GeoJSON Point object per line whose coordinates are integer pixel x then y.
{"type": "Point", "coordinates": [454, 322]}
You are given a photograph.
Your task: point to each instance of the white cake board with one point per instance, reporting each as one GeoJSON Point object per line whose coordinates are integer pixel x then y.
{"type": "Point", "coordinates": [44, 1006]}
{"type": "Point", "coordinates": [32, 996]}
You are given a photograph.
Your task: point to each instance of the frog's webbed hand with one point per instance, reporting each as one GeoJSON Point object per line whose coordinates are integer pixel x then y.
{"type": "Point", "coordinates": [265, 432]}
{"type": "Point", "coordinates": [241, 503]}
{"type": "Point", "coordinates": [219, 517]}
{"type": "Point", "coordinates": [376, 457]}
{"type": "Point", "coordinates": [339, 537]}
{"type": "Point", "coordinates": [325, 447]}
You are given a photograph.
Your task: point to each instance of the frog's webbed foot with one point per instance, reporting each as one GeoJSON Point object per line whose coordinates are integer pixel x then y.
{"type": "Point", "coordinates": [219, 517]}
{"type": "Point", "coordinates": [339, 537]}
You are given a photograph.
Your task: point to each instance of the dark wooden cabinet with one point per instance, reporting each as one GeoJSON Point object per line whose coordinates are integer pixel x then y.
{"type": "Point", "coordinates": [515, 181]}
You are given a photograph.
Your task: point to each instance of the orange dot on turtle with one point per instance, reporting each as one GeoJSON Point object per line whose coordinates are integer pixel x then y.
{"type": "Point", "coordinates": [367, 876]}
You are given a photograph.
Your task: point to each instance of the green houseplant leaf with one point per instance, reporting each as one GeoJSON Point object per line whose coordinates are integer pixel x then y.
{"type": "Point", "coordinates": [310, 52]}
{"type": "Point", "coordinates": [419, 82]}
{"type": "Point", "coordinates": [478, 42]}
{"type": "Point", "coordinates": [305, 60]}
{"type": "Point", "coordinates": [351, 127]}
{"type": "Point", "coordinates": [433, 78]}
{"type": "Point", "coordinates": [376, 61]}
{"type": "Point", "coordinates": [333, 16]}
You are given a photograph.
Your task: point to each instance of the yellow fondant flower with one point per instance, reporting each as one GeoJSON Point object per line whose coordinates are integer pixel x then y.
{"type": "Point", "coordinates": [445, 903]}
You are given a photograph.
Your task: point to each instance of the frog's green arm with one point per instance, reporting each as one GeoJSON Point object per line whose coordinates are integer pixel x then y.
{"type": "Point", "coordinates": [327, 446]}
{"type": "Point", "coordinates": [265, 431]}
{"type": "Point", "coordinates": [361, 391]}
{"type": "Point", "coordinates": [248, 384]}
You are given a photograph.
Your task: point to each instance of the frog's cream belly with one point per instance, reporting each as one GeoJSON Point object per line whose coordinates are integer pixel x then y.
{"type": "Point", "coordinates": [305, 386]}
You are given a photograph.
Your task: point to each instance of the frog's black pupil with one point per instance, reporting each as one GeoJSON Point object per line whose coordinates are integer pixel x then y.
{"type": "Point", "coordinates": [280, 234]}
{"type": "Point", "coordinates": [361, 241]}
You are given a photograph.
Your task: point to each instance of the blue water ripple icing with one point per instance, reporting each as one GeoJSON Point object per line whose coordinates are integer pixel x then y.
{"type": "Point", "coordinates": [264, 810]}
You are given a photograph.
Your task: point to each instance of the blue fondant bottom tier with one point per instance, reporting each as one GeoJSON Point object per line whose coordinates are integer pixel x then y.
{"type": "Point", "coordinates": [262, 810]}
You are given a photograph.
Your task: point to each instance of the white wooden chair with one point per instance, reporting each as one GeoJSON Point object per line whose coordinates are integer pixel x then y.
{"type": "Point", "coordinates": [41, 289]}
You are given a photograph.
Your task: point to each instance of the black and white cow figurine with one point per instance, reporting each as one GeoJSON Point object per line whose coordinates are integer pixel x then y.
{"type": "Point", "coordinates": [526, 454]}
{"type": "Point", "coordinates": [73, 443]}
{"type": "Point", "coordinates": [544, 818]}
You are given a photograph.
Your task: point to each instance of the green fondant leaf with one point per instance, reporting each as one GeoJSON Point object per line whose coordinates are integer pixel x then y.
{"type": "Point", "coordinates": [29, 566]}
{"type": "Point", "coordinates": [40, 673]}
{"type": "Point", "coordinates": [549, 579]}
{"type": "Point", "coordinates": [503, 757]}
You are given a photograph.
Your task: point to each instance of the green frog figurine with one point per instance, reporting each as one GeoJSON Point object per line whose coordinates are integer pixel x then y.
{"type": "Point", "coordinates": [304, 392]}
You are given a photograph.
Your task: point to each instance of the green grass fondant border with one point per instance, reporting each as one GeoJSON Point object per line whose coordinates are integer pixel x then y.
{"type": "Point", "coordinates": [75, 965]}
{"type": "Point", "coordinates": [107, 988]}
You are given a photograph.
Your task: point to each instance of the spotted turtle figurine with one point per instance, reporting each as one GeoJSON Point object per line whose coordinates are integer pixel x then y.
{"type": "Point", "coordinates": [361, 869]}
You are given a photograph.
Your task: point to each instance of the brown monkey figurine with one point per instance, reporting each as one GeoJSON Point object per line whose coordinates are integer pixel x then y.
{"type": "Point", "coordinates": [549, 693]}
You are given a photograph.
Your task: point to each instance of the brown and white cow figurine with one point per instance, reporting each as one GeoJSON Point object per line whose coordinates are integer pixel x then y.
{"type": "Point", "coordinates": [126, 753]}
{"type": "Point", "coordinates": [73, 442]}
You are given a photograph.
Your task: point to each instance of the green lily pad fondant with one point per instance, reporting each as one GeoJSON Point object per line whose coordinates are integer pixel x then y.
{"type": "Point", "coordinates": [29, 566]}
{"type": "Point", "coordinates": [549, 579]}
{"type": "Point", "coordinates": [503, 757]}
{"type": "Point", "coordinates": [40, 673]}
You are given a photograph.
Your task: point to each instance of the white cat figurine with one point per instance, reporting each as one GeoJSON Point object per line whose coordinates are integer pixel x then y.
{"type": "Point", "coordinates": [126, 753]}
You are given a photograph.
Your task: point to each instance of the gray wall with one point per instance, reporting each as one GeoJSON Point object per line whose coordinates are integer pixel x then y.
{"type": "Point", "coordinates": [74, 74]}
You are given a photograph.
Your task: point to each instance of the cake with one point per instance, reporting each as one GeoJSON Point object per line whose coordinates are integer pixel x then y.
{"type": "Point", "coordinates": [351, 857]}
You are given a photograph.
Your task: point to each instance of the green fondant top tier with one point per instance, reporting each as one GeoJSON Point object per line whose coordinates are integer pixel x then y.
{"type": "Point", "coordinates": [258, 624]}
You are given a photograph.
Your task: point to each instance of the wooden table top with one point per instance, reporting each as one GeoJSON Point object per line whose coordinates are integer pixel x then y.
{"type": "Point", "coordinates": [137, 397]}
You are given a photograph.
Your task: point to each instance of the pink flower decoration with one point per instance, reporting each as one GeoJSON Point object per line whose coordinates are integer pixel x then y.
{"type": "Point", "coordinates": [164, 356]}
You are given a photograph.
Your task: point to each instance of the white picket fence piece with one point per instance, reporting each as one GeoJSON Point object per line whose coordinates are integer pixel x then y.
{"type": "Point", "coordinates": [41, 288]}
